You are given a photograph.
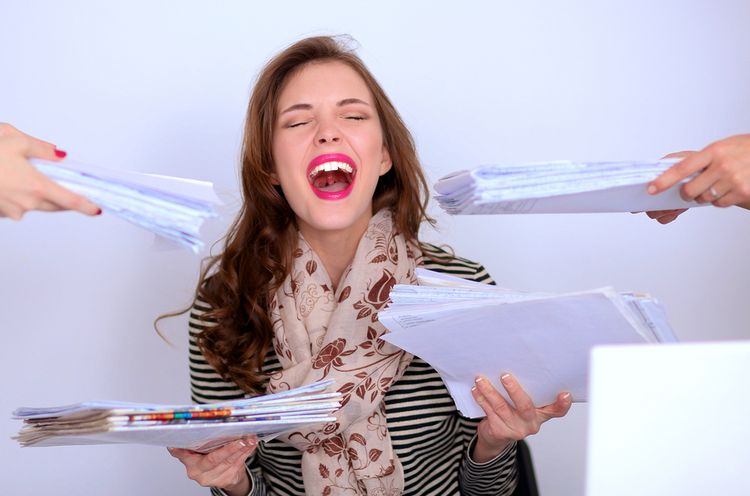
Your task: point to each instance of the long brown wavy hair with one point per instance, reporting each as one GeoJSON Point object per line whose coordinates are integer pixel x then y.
{"type": "Point", "coordinates": [236, 285]}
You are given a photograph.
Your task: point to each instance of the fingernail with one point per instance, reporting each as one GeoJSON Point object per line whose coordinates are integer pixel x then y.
{"type": "Point", "coordinates": [60, 153]}
{"type": "Point", "coordinates": [98, 211]}
{"type": "Point", "coordinates": [566, 396]}
{"type": "Point", "coordinates": [478, 380]}
{"type": "Point", "coordinates": [505, 378]}
{"type": "Point", "coordinates": [651, 189]}
{"type": "Point", "coordinates": [473, 389]}
{"type": "Point", "coordinates": [243, 443]}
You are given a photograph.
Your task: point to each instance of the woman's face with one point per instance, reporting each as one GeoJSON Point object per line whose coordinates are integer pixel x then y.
{"type": "Point", "coordinates": [328, 149]}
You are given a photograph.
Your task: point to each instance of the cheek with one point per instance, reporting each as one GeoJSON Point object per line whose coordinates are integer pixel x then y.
{"type": "Point", "coordinates": [283, 157]}
{"type": "Point", "coordinates": [369, 144]}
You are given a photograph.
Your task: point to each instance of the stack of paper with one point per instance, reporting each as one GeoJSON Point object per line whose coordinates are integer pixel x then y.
{"type": "Point", "coordinates": [558, 187]}
{"type": "Point", "coordinates": [196, 427]}
{"type": "Point", "coordinates": [465, 329]}
{"type": "Point", "coordinates": [171, 207]}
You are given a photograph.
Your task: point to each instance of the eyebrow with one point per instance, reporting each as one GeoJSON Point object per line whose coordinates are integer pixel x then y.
{"type": "Point", "coordinates": [341, 103]}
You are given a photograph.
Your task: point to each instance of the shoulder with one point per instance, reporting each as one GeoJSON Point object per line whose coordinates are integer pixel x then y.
{"type": "Point", "coordinates": [201, 310]}
{"type": "Point", "coordinates": [199, 318]}
{"type": "Point", "coordinates": [442, 260]}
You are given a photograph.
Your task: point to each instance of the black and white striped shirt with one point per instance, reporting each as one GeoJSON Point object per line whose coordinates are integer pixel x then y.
{"type": "Point", "coordinates": [431, 438]}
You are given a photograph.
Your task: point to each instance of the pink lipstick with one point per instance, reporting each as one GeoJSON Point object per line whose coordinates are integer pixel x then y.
{"type": "Point", "coordinates": [331, 176]}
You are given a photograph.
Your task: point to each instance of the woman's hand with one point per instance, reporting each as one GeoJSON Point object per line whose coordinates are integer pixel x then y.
{"type": "Point", "coordinates": [723, 171]}
{"type": "Point", "coordinates": [666, 216]}
{"type": "Point", "coordinates": [22, 187]}
{"type": "Point", "coordinates": [506, 423]}
{"type": "Point", "coordinates": [223, 467]}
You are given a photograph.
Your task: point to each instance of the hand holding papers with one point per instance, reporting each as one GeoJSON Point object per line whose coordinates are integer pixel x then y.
{"type": "Point", "coordinates": [558, 187]}
{"type": "Point", "coordinates": [466, 329]}
{"type": "Point", "coordinates": [195, 427]}
{"type": "Point", "coordinates": [171, 207]}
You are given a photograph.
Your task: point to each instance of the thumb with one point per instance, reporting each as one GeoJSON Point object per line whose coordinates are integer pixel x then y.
{"type": "Point", "coordinates": [559, 408]}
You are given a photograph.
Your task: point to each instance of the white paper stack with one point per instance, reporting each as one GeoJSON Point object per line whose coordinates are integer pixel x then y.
{"type": "Point", "coordinates": [171, 207]}
{"type": "Point", "coordinates": [465, 329]}
{"type": "Point", "coordinates": [558, 187]}
{"type": "Point", "coordinates": [196, 427]}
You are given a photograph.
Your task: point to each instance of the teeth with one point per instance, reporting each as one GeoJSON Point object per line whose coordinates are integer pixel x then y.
{"type": "Point", "coordinates": [331, 166]}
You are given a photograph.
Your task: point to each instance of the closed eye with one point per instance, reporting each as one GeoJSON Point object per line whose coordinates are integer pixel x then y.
{"type": "Point", "coordinates": [297, 124]}
{"type": "Point", "coordinates": [356, 117]}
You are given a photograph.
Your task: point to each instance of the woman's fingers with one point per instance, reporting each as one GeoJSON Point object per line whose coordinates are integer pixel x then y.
{"type": "Point", "coordinates": [730, 199]}
{"type": "Point", "coordinates": [666, 219]}
{"type": "Point", "coordinates": [665, 216]}
{"type": "Point", "coordinates": [524, 406]}
{"type": "Point", "coordinates": [227, 470]}
{"type": "Point", "coordinates": [682, 154]}
{"type": "Point", "coordinates": [698, 188]}
{"type": "Point", "coordinates": [656, 214]}
{"type": "Point", "coordinates": [557, 409]}
{"type": "Point", "coordinates": [713, 192]}
{"type": "Point", "coordinates": [36, 148]}
{"type": "Point", "coordinates": [64, 198]}
{"type": "Point", "coordinates": [184, 455]}
{"type": "Point", "coordinates": [679, 171]}
{"type": "Point", "coordinates": [226, 455]}
{"type": "Point", "coordinates": [492, 402]}
{"type": "Point", "coordinates": [27, 145]}
{"type": "Point", "coordinates": [672, 215]}
{"type": "Point", "coordinates": [221, 467]}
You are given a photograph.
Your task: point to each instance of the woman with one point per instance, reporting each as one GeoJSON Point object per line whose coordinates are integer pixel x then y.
{"type": "Point", "coordinates": [334, 198]}
{"type": "Point", "coordinates": [22, 187]}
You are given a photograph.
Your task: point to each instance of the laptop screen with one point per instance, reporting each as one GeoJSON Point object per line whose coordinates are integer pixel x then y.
{"type": "Point", "coordinates": [669, 420]}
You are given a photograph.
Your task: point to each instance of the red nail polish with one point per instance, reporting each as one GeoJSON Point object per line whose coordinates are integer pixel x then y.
{"type": "Point", "coordinates": [99, 211]}
{"type": "Point", "coordinates": [60, 153]}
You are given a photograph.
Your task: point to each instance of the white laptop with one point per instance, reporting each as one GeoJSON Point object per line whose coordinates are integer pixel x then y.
{"type": "Point", "coordinates": [669, 420]}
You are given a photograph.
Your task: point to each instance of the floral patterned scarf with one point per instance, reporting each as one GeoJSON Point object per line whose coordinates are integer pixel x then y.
{"type": "Point", "coordinates": [324, 334]}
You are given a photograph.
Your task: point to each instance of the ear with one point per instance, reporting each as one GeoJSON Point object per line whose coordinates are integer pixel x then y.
{"type": "Point", "coordinates": [274, 178]}
{"type": "Point", "coordinates": [386, 163]}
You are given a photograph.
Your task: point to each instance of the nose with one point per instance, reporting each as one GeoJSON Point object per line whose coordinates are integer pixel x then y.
{"type": "Point", "coordinates": [327, 134]}
{"type": "Point", "coordinates": [328, 138]}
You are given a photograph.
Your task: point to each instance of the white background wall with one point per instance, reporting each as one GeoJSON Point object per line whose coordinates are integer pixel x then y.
{"type": "Point", "coordinates": [159, 88]}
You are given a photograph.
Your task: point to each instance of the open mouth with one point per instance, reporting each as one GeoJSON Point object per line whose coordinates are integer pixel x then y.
{"type": "Point", "coordinates": [331, 176]}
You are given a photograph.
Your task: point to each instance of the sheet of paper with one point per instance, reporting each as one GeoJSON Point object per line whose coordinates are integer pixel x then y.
{"type": "Point", "coordinates": [197, 427]}
{"type": "Point", "coordinates": [465, 330]}
{"type": "Point", "coordinates": [171, 207]}
{"type": "Point", "coordinates": [197, 437]}
{"type": "Point", "coordinates": [544, 343]}
{"type": "Point", "coordinates": [558, 187]}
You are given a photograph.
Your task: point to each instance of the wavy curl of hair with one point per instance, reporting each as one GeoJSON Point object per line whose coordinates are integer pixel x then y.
{"type": "Point", "coordinates": [257, 255]}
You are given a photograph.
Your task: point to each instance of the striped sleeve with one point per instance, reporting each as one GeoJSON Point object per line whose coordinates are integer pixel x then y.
{"type": "Point", "coordinates": [207, 386]}
{"type": "Point", "coordinates": [439, 260]}
{"type": "Point", "coordinates": [496, 476]}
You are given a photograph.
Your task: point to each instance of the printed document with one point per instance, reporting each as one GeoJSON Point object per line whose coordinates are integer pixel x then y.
{"type": "Point", "coordinates": [468, 329]}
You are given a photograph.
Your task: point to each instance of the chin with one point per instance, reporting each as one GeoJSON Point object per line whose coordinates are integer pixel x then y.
{"type": "Point", "coordinates": [337, 220]}
{"type": "Point", "coordinates": [333, 223]}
